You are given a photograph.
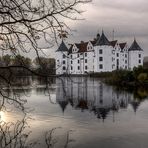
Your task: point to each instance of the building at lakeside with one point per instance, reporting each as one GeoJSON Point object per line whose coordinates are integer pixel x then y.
{"type": "Point", "coordinates": [99, 55]}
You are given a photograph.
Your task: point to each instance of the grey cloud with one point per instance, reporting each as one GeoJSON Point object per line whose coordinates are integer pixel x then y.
{"type": "Point", "coordinates": [127, 17]}
{"type": "Point", "coordinates": [127, 5]}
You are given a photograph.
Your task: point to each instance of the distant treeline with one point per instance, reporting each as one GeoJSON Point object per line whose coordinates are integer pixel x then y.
{"type": "Point", "coordinates": [22, 66]}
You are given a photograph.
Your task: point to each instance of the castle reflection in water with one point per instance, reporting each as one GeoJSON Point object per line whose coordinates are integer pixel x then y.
{"type": "Point", "coordinates": [93, 95]}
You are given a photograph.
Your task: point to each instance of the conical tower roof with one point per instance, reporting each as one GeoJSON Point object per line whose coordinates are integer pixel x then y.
{"type": "Point", "coordinates": [135, 46]}
{"type": "Point", "coordinates": [63, 105]}
{"type": "Point", "coordinates": [62, 47]}
{"type": "Point", "coordinates": [102, 40]}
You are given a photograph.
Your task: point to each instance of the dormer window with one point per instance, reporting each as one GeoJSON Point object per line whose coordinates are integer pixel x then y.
{"type": "Point", "coordinates": [89, 48]}
{"type": "Point", "coordinates": [75, 49]}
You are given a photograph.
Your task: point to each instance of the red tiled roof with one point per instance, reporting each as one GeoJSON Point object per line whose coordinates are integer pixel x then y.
{"type": "Point", "coordinates": [122, 45]}
{"type": "Point", "coordinates": [113, 43]}
{"type": "Point", "coordinates": [93, 42]}
{"type": "Point", "coordinates": [81, 46]}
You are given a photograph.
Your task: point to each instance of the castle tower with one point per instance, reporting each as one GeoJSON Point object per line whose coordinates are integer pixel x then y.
{"type": "Point", "coordinates": [135, 55]}
{"type": "Point", "coordinates": [103, 55]}
{"type": "Point", "coordinates": [61, 59]}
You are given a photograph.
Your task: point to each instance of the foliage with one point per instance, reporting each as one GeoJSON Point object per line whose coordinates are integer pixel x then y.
{"type": "Point", "coordinates": [142, 77]}
{"type": "Point", "coordinates": [139, 76]}
{"type": "Point", "coordinates": [42, 65]}
{"type": "Point", "coordinates": [45, 65]}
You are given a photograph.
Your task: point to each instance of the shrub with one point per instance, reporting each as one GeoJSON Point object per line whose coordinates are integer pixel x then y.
{"type": "Point", "coordinates": [142, 77]}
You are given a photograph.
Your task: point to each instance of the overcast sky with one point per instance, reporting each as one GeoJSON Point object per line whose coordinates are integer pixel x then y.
{"type": "Point", "coordinates": [129, 19]}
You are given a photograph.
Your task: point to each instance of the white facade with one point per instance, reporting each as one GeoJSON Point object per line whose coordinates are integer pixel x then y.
{"type": "Point", "coordinates": [135, 58]}
{"type": "Point", "coordinates": [100, 55]}
{"type": "Point", "coordinates": [103, 58]}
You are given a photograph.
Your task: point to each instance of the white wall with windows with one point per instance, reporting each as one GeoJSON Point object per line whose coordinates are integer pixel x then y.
{"type": "Point", "coordinates": [87, 57]}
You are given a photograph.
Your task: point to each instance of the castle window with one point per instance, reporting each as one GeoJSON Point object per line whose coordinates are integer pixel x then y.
{"type": "Point", "coordinates": [78, 67]}
{"type": "Point", "coordinates": [125, 61]}
{"type": "Point", "coordinates": [64, 56]}
{"type": "Point", "coordinates": [100, 51]}
{"type": "Point", "coordinates": [85, 54]}
{"type": "Point", "coordinates": [85, 67]}
{"type": "Point", "coordinates": [78, 61]}
{"type": "Point", "coordinates": [71, 68]}
{"type": "Point", "coordinates": [139, 55]}
{"type": "Point", "coordinates": [71, 61]}
{"type": "Point", "coordinates": [117, 54]}
{"type": "Point", "coordinates": [85, 60]}
{"type": "Point", "coordinates": [78, 55]}
{"type": "Point", "coordinates": [71, 56]}
{"type": "Point", "coordinates": [100, 66]}
{"type": "Point", "coordinates": [100, 58]}
{"type": "Point", "coordinates": [64, 68]}
{"type": "Point", "coordinates": [63, 62]}
{"type": "Point", "coordinates": [139, 61]}
{"type": "Point", "coordinates": [125, 55]}
{"type": "Point", "coordinates": [117, 62]}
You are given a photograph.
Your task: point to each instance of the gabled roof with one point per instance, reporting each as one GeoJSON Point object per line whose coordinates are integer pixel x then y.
{"type": "Point", "coordinates": [102, 40]}
{"type": "Point", "coordinates": [81, 46]}
{"type": "Point", "coordinates": [135, 46]}
{"type": "Point", "coordinates": [122, 46]}
{"type": "Point", "coordinates": [62, 47]}
{"type": "Point", "coordinates": [113, 43]}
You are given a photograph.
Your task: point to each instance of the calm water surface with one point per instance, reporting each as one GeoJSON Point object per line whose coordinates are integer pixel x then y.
{"type": "Point", "coordinates": [75, 113]}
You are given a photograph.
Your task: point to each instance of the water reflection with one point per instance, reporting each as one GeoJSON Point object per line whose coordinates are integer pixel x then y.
{"type": "Point", "coordinates": [83, 95]}
{"type": "Point", "coordinates": [15, 130]}
{"type": "Point", "coordinates": [93, 95]}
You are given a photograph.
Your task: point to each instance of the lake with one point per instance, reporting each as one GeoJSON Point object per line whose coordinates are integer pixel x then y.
{"type": "Point", "coordinates": [72, 112]}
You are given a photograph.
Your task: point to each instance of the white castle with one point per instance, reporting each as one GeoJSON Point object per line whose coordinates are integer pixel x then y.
{"type": "Point", "coordinates": [99, 55]}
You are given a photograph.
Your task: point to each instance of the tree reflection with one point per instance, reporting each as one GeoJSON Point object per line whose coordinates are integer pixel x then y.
{"type": "Point", "coordinates": [15, 134]}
